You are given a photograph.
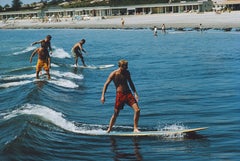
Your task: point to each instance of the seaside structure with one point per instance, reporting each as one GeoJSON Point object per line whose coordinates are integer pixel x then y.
{"type": "Point", "coordinates": [226, 5]}
{"type": "Point", "coordinates": [108, 11]}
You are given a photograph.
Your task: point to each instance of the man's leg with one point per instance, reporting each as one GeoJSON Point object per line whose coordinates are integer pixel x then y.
{"type": "Point", "coordinates": [113, 119]}
{"type": "Point", "coordinates": [76, 61]}
{"type": "Point", "coordinates": [47, 71]}
{"type": "Point", "coordinates": [37, 74]}
{"type": "Point", "coordinates": [82, 60]}
{"type": "Point", "coordinates": [136, 117]}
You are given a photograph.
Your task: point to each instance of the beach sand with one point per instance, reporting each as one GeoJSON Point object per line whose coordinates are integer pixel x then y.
{"type": "Point", "coordinates": [172, 20]}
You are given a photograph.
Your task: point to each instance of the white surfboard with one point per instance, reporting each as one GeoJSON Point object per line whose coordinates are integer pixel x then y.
{"type": "Point", "coordinates": [151, 133]}
{"type": "Point", "coordinates": [95, 66]}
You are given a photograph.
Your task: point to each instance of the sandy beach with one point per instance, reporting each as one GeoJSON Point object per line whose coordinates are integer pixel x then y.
{"type": "Point", "coordinates": [172, 20]}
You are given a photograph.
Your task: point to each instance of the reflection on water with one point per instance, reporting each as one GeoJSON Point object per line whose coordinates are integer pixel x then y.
{"type": "Point", "coordinates": [130, 147]}
{"type": "Point", "coordinates": [125, 153]}
{"type": "Point", "coordinates": [40, 83]}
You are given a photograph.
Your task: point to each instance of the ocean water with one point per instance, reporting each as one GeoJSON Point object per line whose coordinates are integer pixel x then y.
{"type": "Point", "coordinates": [185, 79]}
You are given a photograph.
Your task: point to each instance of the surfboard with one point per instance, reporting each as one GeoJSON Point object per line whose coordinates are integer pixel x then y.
{"type": "Point", "coordinates": [95, 66]}
{"type": "Point", "coordinates": [155, 133]}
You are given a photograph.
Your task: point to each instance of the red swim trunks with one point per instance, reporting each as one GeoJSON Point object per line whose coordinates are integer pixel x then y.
{"type": "Point", "coordinates": [124, 98]}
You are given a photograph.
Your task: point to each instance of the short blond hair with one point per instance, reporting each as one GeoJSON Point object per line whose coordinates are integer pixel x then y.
{"type": "Point", "coordinates": [122, 62]}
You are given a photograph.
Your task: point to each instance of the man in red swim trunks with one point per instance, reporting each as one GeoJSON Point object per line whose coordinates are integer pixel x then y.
{"type": "Point", "coordinates": [121, 78]}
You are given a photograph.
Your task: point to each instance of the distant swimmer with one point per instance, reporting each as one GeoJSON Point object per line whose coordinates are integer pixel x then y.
{"type": "Point", "coordinates": [155, 30]}
{"type": "Point", "coordinates": [77, 50]}
{"type": "Point", "coordinates": [44, 60]}
{"type": "Point", "coordinates": [163, 28]}
{"type": "Point", "coordinates": [47, 41]}
{"type": "Point", "coordinates": [122, 79]}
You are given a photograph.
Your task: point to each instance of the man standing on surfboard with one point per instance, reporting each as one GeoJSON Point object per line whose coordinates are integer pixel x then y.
{"type": "Point", "coordinates": [122, 79]}
{"type": "Point", "coordinates": [77, 52]}
{"type": "Point", "coordinates": [43, 59]}
{"type": "Point", "coordinates": [47, 41]}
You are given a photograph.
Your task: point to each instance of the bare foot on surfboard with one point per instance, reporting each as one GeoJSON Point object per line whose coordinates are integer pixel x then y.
{"type": "Point", "coordinates": [136, 130]}
{"type": "Point", "coordinates": [108, 130]}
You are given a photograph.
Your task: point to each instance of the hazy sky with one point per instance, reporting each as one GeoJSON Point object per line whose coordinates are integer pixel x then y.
{"type": "Point", "coordinates": [9, 2]}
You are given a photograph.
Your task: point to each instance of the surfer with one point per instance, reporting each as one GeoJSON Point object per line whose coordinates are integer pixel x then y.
{"type": "Point", "coordinates": [47, 41]}
{"type": "Point", "coordinates": [122, 79]}
{"type": "Point", "coordinates": [77, 52]}
{"type": "Point", "coordinates": [43, 59]}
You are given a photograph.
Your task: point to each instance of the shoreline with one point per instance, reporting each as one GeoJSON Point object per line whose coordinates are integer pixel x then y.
{"type": "Point", "coordinates": [209, 20]}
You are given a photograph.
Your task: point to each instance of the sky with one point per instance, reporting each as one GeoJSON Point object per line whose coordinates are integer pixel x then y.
{"type": "Point", "coordinates": [9, 2]}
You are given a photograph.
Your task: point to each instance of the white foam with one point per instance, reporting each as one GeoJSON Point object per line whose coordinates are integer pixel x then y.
{"type": "Point", "coordinates": [57, 81]}
{"type": "Point", "coordinates": [54, 65]}
{"type": "Point", "coordinates": [13, 84]}
{"type": "Point", "coordinates": [173, 127]}
{"type": "Point", "coordinates": [93, 66]}
{"type": "Point", "coordinates": [24, 76]}
{"type": "Point", "coordinates": [66, 74]}
{"type": "Point", "coordinates": [48, 114]}
{"type": "Point", "coordinates": [30, 48]}
{"type": "Point", "coordinates": [60, 53]}
{"type": "Point", "coordinates": [63, 83]}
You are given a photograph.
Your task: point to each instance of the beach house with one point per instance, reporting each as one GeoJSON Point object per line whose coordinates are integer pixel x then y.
{"type": "Point", "coordinates": [84, 13]}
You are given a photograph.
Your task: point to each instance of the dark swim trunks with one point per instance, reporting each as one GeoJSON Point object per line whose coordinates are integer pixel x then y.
{"type": "Point", "coordinates": [124, 98]}
{"type": "Point", "coordinates": [77, 53]}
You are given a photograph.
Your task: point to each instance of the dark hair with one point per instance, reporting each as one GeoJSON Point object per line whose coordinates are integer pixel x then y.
{"type": "Point", "coordinates": [49, 36]}
{"type": "Point", "coordinates": [83, 40]}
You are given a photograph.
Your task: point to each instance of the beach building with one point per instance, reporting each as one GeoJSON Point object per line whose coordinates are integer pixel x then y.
{"type": "Point", "coordinates": [107, 11]}
{"type": "Point", "coordinates": [226, 5]}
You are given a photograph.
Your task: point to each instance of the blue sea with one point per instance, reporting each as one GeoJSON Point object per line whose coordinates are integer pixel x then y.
{"type": "Point", "coordinates": [185, 79]}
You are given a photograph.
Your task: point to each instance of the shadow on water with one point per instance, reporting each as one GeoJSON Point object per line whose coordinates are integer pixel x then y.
{"type": "Point", "coordinates": [194, 135]}
{"type": "Point", "coordinates": [132, 147]}
{"type": "Point", "coordinates": [119, 152]}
